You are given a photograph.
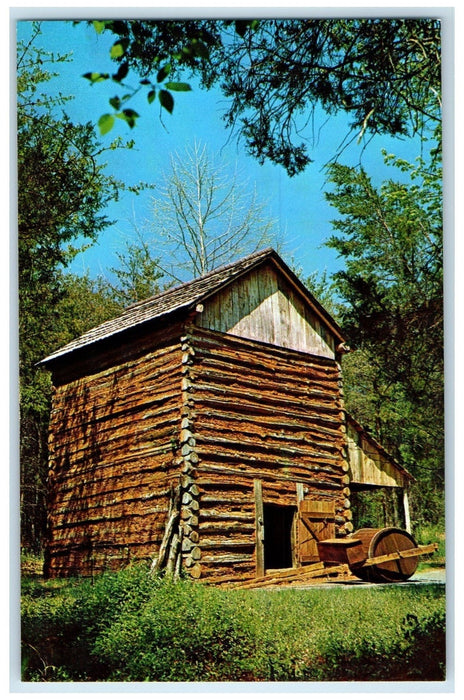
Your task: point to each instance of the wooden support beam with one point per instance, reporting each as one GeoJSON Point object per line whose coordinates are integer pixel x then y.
{"type": "Point", "coordinates": [407, 515]}
{"type": "Point", "coordinates": [405, 554]}
{"type": "Point", "coordinates": [294, 576]}
{"type": "Point", "coordinates": [259, 520]}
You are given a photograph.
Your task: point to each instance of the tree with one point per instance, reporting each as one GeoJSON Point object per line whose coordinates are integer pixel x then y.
{"type": "Point", "coordinates": [385, 74]}
{"type": "Point", "coordinates": [322, 286]}
{"type": "Point", "coordinates": [139, 272]}
{"type": "Point", "coordinates": [62, 191]}
{"type": "Point", "coordinates": [390, 238]}
{"type": "Point", "coordinates": [81, 292]}
{"type": "Point", "coordinates": [203, 217]}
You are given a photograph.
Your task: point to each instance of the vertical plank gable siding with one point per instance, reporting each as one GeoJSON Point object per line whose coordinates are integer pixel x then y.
{"type": "Point", "coordinates": [260, 413]}
{"type": "Point", "coordinates": [262, 306]}
{"type": "Point", "coordinates": [112, 461]}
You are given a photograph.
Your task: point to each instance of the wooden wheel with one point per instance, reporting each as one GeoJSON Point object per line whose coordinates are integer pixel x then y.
{"type": "Point", "coordinates": [386, 541]}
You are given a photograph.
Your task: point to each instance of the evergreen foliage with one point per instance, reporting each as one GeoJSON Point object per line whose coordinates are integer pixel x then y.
{"type": "Point", "coordinates": [390, 239]}
{"type": "Point", "coordinates": [62, 191]}
{"type": "Point", "coordinates": [138, 274]}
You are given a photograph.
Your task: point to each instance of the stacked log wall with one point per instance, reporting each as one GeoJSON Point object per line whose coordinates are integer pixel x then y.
{"type": "Point", "coordinates": [260, 412]}
{"type": "Point", "coordinates": [113, 445]}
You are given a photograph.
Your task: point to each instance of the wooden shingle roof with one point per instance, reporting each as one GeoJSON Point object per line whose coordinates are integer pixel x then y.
{"type": "Point", "coordinates": [186, 296]}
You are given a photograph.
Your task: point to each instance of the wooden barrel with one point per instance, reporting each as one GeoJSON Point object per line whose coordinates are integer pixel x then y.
{"type": "Point", "coordinates": [385, 541]}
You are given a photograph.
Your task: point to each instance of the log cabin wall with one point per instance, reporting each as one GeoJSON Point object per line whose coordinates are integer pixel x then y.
{"type": "Point", "coordinates": [206, 424]}
{"type": "Point", "coordinates": [260, 414]}
{"type": "Point", "coordinates": [113, 446]}
{"type": "Point", "coordinates": [233, 424]}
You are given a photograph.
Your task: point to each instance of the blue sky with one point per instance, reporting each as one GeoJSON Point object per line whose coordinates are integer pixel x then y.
{"type": "Point", "coordinates": [297, 204]}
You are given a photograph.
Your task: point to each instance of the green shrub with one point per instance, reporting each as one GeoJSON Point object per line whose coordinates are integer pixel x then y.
{"type": "Point", "coordinates": [184, 632]}
{"type": "Point", "coordinates": [61, 619]}
{"type": "Point", "coordinates": [50, 635]}
{"type": "Point", "coordinates": [128, 626]}
{"type": "Point", "coordinates": [429, 534]}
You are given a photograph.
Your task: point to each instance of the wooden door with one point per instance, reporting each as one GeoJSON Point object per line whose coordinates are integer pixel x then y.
{"type": "Point", "coordinates": [316, 521]}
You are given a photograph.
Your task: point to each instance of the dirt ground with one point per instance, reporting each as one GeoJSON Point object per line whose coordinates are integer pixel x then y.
{"type": "Point", "coordinates": [425, 577]}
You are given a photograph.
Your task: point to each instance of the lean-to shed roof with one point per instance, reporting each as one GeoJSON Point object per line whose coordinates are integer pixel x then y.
{"type": "Point", "coordinates": [377, 447]}
{"type": "Point", "coordinates": [187, 295]}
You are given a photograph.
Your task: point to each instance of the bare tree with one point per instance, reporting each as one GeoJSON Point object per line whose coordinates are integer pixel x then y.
{"type": "Point", "coordinates": [204, 217]}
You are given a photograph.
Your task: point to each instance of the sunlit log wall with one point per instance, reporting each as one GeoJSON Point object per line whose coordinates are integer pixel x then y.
{"type": "Point", "coordinates": [178, 427]}
{"type": "Point", "coordinates": [259, 412]}
{"type": "Point", "coordinates": [112, 446]}
{"type": "Point", "coordinates": [197, 408]}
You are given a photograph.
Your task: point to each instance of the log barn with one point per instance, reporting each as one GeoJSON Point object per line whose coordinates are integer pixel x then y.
{"type": "Point", "coordinates": [204, 429]}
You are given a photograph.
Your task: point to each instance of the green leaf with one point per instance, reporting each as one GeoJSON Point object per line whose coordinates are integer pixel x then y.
{"type": "Point", "coordinates": [242, 26]}
{"type": "Point", "coordinates": [131, 113]}
{"type": "Point", "coordinates": [129, 116]}
{"type": "Point", "coordinates": [96, 77]}
{"type": "Point", "coordinates": [106, 123]}
{"type": "Point", "coordinates": [163, 73]}
{"type": "Point", "coordinates": [99, 26]}
{"type": "Point", "coordinates": [151, 96]}
{"type": "Point", "coordinates": [115, 102]}
{"type": "Point", "coordinates": [118, 26]}
{"type": "Point", "coordinates": [178, 87]}
{"type": "Point", "coordinates": [200, 49]}
{"type": "Point", "coordinates": [117, 50]}
{"type": "Point", "coordinates": [121, 72]}
{"type": "Point", "coordinates": [167, 100]}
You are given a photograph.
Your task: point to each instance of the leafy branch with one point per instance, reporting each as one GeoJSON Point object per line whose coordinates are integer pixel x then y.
{"type": "Point", "coordinates": [160, 87]}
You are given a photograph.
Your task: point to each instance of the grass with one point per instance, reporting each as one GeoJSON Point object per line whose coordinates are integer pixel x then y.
{"type": "Point", "coordinates": [128, 626]}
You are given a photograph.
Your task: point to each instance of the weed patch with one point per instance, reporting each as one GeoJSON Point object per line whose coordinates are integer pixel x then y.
{"type": "Point", "coordinates": [129, 626]}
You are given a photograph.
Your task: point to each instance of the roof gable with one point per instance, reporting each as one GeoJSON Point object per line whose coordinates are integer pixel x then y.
{"type": "Point", "coordinates": [262, 305]}
{"type": "Point", "coordinates": [185, 297]}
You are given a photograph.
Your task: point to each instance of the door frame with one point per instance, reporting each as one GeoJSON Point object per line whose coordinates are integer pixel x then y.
{"type": "Point", "coordinates": [296, 555]}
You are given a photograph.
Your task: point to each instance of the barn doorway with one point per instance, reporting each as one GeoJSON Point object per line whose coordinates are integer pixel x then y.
{"type": "Point", "coordinates": [278, 536]}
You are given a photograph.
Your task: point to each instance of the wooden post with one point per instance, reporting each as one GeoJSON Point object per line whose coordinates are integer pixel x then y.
{"type": "Point", "coordinates": [296, 528]}
{"type": "Point", "coordinates": [395, 502]}
{"type": "Point", "coordinates": [407, 515]}
{"type": "Point", "coordinates": [259, 525]}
